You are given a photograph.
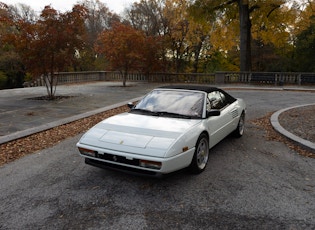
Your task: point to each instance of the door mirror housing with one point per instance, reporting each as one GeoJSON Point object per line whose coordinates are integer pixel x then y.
{"type": "Point", "coordinates": [130, 105]}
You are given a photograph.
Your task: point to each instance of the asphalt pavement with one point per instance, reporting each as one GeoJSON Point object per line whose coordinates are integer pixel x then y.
{"type": "Point", "coordinates": [22, 112]}
{"type": "Point", "coordinates": [249, 183]}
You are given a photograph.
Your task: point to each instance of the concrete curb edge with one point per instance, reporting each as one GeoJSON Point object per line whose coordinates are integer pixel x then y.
{"type": "Point", "coordinates": [276, 125]}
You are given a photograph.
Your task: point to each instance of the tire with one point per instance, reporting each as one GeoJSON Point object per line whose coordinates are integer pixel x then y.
{"type": "Point", "coordinates": [239, 131]}
{"type": "Point", "coordinates": [201, 155]}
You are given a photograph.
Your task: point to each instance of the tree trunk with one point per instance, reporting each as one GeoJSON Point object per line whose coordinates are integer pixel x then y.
{"type": "Point", "coordinates": [245, 36]}
{"type": "Point", "coordinates": [196, 51]}
{"type": "Point", "coordinates": [51, 84]}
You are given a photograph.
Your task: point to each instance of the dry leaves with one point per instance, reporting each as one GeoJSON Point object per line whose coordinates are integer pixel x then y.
{"type": "Point", "coordinates": [272, 135]}
{"type": "Point", "coordinates": [300, 121]}
{"type": "Point", "coordinates": [18, 148]}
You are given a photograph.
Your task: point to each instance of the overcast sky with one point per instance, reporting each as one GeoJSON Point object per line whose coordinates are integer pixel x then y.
{"type": "Point", "coordinates": [65, 5]}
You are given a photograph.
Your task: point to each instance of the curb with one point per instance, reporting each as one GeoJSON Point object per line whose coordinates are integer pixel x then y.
{"type": "Point", "coordinates": [276, 125]}
{"type": "Point", "coordinates": [53, 124]}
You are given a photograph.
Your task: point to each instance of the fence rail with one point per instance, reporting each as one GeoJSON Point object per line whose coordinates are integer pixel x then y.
{"type": "Point", "coordinates": [269, 78]}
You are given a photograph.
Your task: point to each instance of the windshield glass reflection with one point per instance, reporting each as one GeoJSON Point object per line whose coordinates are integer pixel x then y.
{"type": "Point", "coordinates": [187, 103]}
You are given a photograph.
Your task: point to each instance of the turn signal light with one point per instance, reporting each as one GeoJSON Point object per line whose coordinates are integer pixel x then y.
{"type": "Point", "coordinates": [87, 152]}
{"type": "Point", "coordinates": [150, 164]}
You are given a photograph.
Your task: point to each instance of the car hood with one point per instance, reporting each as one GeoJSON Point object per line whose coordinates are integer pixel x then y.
{"type": "Point", "coordinates": [137, 134]}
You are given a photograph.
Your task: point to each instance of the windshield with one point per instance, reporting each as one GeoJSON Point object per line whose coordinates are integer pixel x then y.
{"type": "Point", "coordinates": [186, 104]}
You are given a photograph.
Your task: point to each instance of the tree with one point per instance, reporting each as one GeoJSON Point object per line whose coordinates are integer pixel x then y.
{"type": "Point", "coordinates": [123, 47]}
{"type": "Point", "coordinates": [147, 15]}
{"type": "Point", "coordinates": [226, 12]}
{"type": "Point", "coordinates": [178, 27]}
{"type": "Point", "coordinates": [304, 31]}
{"type": "Point", "coordinates": [305, 47]}
{"type": "Point", "coordinates": [49, 45]}
{"type": "Point", "coordinates": [11, 66]}
{"type": "Point", "coordinates": [245, 36]}
{"type": "Point", "coordinates": [244, 10]}
{"type": "Point", "coordinates": [22, 12]}
{"type": "Point", "coordinates": [98, 19]}
{"type": "Point", "coordinates": [152, 55]}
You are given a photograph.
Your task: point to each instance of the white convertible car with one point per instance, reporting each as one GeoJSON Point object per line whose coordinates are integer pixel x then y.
{"type": "Point", "coordinates": [171, 128]}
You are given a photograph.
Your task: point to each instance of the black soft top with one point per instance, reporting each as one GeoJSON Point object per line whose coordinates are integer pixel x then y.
{"type": "Point", "coordinates": [207, 89]}
{"type": "Point", "coordinates": [204, 88]}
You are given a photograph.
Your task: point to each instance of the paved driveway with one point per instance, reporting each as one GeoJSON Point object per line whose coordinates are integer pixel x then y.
{"type": "Point", "coordinates": [19, 111]}
{"type": "Point", "coordinates": [249, 183]}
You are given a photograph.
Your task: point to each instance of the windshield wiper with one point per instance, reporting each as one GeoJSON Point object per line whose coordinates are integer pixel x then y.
{"type": "Point", "coordinates": [161, 113]}
{"type": "Point", "coordinates": [144, 111]}
{"type": "Point", "coordinates": [169, 114]}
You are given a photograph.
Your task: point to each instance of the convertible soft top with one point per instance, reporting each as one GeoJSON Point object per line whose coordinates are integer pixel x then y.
{"type": "Point", "coordinates": [204, 88]}
{"type": "Point", "coordinates": [207, 89]}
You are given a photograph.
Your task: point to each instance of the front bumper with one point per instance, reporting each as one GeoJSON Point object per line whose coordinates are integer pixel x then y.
{"type": "Point", "coordinates": [131, 162]}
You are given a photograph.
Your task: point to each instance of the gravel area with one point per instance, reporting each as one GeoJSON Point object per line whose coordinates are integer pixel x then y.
{"type": "Point", "coordinates": [300, 121]}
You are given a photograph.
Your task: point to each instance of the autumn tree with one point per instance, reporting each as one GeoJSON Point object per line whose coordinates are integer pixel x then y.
{"type": "Point", "coordinates": [148, 16]}
{"type": "Point", "coordinates": [156, 35]}
{"type": "Point", "coordinates": [185, 40]}
{"type": "Point", "coordinates": [304, 39]}
{"type": "Point", "coordinates": [205, 7]}
{"type": "Point", "coordinates": [178, 25]}
{"type": "Point", "coordinates": [11, 66]}
{"type": "Point", "coordinates": [244, 9]}
{"type": "Point", "coordinates": [49, 45]}
{"type": "Point", "coordinates": [4, 25]}
{"type": "Point", "coordinates": [304, 55]}
{"type": "Point", "coordinates": [199, 42]}
{"type": "Point", "coordinates": [152, 54]}
{"type": "Point", "coordinates": [124, 47]}
{"type": "Point", "coordinates": [168, 20]}
{"type": "Point", "coordinates": [98, 18]}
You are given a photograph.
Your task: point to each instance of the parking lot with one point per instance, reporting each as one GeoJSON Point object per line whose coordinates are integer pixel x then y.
{"type": "Point", "coordinates": [249, 183]}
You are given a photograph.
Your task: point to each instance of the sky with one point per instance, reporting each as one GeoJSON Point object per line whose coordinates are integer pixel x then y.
{"type": "Point", "coordinates": [66, 5]}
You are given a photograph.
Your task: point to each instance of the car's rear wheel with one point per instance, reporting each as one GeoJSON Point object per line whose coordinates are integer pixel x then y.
{"type": "Point", "coordinates": [239, 131]}
{"type": "Point", "coordinates": [201, 155]}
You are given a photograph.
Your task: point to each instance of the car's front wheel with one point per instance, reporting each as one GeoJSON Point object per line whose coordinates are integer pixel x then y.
{"type": "Point", "coordinates": [201, 155]}
{"type": "Point", "coordinates": [239, 131]}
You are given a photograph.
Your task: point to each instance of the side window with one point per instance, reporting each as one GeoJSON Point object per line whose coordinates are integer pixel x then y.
{"type": "Point", "coordinates": [224, 100]}
{"type": "Point", "coordinates": [208, 104]}
{"type": "Point", "coordinates": [216, 100]}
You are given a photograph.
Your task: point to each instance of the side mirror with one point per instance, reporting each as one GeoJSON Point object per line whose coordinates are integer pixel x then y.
{"type": "Point", "coordinates": [130, 105]}
{"type": "Point", "coordinates": [213, 113]}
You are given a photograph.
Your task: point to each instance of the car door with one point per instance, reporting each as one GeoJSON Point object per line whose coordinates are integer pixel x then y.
{"type": "Point", "coordinates": [219, 126]}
